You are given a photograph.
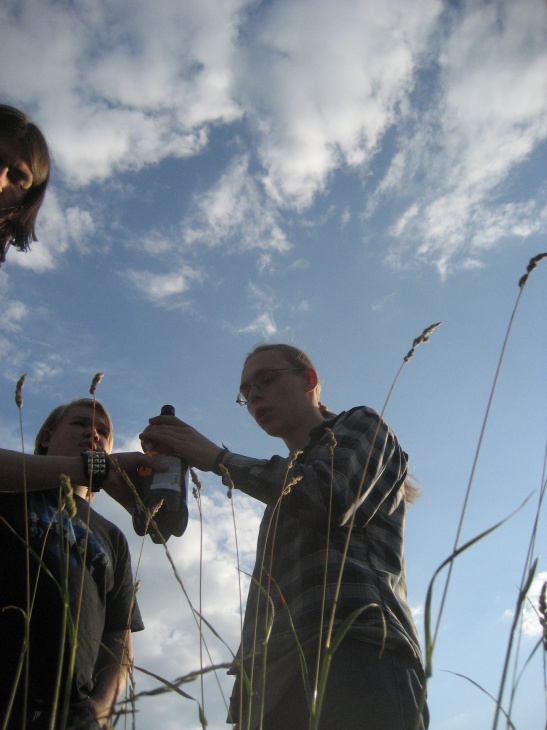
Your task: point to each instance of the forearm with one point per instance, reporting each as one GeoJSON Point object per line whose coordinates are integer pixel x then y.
{"type": "Point", "coordinates": [32, 472]}
{"type": "Point", "coordinates": [27, 471]}
{"type": "Point", "coordinates": [111, 672]}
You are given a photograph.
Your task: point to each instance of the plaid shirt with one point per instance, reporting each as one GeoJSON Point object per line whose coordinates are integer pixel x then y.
{"type": "Point", "coordinates": [310, 500]}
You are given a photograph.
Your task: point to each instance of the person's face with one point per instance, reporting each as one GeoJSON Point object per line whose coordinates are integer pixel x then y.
{"type": "Point", "coordinates": [282, 402]}
{"type": "Point", "coordinates": [77, 431]}
{"type": "Point", "coordinates": [16, 177]}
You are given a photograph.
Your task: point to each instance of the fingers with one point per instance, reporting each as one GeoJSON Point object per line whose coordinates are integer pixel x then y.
{"type": "Point", "coordinates": [166, 420]}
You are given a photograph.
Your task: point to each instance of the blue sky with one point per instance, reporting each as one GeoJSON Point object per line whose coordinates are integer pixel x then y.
{"type": "Point", "coordinates": [335, 175]}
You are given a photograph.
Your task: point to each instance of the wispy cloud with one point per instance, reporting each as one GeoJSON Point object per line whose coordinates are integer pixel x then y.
{"type": "Point", "coordinates": [488, 115]}
{"type": "Point", "coordinates": [236, 213]}
{"type": "Point", "coordinates": [134, 85]}
{"type": "Point", "coordinates": [58, 229]}
{"type": "Point", "coordinates": [324, 98]}
{"type": "Point", "coordinates": [164, 288]}
{"type": "Point", "coordinates": [264, 325]}
{"type": "Point", "coordinates": [461, 88]}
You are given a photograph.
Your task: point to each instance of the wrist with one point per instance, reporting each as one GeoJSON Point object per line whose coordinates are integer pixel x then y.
{"type": "Point", "coordinates": [96, 468]}
{"type": "Point", "coordinates": [219, 460]}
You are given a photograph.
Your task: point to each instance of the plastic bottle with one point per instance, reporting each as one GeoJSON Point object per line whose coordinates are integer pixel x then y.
{"type": "Point", "coordinates": [170, 486]}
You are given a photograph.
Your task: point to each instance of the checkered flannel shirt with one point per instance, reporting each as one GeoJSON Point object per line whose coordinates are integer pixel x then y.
{"type": "Point", "coordinates": [352, 462]}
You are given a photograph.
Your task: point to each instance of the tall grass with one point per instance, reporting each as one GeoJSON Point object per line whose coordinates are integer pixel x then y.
{"type": "Point", "coordinates": [315, 678]}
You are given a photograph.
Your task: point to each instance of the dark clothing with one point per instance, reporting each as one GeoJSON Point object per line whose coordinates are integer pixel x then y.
{"type": "Point", "coordinates": [351, 463]}
{"type": "Point", "coordinates": [388, 689]}
{"type": "Point", "coordinates": [58, 546]}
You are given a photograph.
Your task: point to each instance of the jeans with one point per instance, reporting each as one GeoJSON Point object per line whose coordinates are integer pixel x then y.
{"type": "Point", "coordinates": [363, 692]}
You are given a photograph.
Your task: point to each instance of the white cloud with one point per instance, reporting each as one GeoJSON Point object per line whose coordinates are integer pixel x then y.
{"type": "Point", "coordinates": [530, 617]}
{"type": "Point", "coordinates": [13, 313]}
{"type": "Point", "coordinates": [235, 213]}
{"type": "Point", "coordinates": [418, 613]}
{"type": "Point", "coordinates": [324, 97]}
{"type": "Point", "coordinates": [264, 325]}
{"type": "Point", "coordinates": [531, 626]}
{"type": "Point", "coordinates": [164, 288]}
{"type": "Point", "coordinates": [489, 115]}
{"type": "Point", "coordinates": [46, 369]}
{"type": "Point", "coordinates": [57, 230]}
{"type": "Point", "coordinates": [170, 644]}
{"type": "Point", "coordinates": [135, 83]}
{"type": "Point", "coordinates": [138, 86]}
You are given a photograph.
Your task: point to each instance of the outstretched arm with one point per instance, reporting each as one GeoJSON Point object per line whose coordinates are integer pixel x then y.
{"type": "Point", "coordinates": [34, 472]}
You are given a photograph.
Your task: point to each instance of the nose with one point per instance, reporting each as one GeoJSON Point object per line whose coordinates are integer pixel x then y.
{"type": "Point", "coordinates": [93, 433]}
{"type": "Point", "coordinates": [254, 393]}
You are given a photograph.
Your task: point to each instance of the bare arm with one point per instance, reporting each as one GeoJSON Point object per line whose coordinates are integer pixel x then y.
{"type": "Point", "coordinates": [37, 472]}
{"type": "Point", "coordinates": [111, 673]}
{"type": "Point", "coordinates": [18, 471]}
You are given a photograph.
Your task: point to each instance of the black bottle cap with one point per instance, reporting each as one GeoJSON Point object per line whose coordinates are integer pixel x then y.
{"type": "Point", "coordinates": [167, 410]}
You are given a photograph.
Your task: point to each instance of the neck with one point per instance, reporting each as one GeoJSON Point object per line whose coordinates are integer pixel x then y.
{"type": "Point", "coordinates": [298, 438]}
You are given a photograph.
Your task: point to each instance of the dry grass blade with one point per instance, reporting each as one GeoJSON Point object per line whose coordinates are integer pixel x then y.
{"type": "Point", "coordinates": [510, 725]}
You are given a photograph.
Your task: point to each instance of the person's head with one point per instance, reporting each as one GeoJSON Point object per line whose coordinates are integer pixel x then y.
{"type": "Point", "coordinates": [280, 387]}
{"type": "Point", "coordinates": [82, 425]}
{"type": "Point", "coordinates": [24, 175]}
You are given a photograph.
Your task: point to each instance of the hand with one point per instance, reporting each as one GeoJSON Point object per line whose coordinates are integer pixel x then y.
{"type": "Point", "coordinates": [174, 436]}
{"type": "Point", "coordinates": [128, 462]}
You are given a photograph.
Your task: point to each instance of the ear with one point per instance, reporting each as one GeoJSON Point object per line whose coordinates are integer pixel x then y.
{"type": "Point", "coordinates": [311, 380]}
{"type": "Point", "coordinates": [46, 439]}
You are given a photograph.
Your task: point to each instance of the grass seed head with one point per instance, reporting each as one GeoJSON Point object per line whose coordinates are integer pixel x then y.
{"type": "Point", "coordinates": [18, 389]}
{"type": "Point", "coordinates": [67, 496]}
{"type": "Point", "coordinates": [195, 480]}
{"type": "Point", "coordinates": [424, 337]}
{"type": "Point", "coordinates": [95, 382]}
{"type": "Point", "coordinates": [532, 264]}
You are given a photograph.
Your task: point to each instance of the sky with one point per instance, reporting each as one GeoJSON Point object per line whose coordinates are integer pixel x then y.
{"type": "Point", "coordinates": [336, 175]}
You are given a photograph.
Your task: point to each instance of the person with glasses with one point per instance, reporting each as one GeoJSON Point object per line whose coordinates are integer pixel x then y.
{"type": "Point", "coordinates": [329, 565]}
{"type": "Point", "coordinates": [24, 176]}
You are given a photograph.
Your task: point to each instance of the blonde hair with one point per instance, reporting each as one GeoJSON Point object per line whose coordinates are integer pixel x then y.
{"type": "Point", "coordinates": [57, 414]}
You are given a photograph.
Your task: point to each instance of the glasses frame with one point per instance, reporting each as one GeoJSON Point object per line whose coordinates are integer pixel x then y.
{"type": "Point", "coordinates": [242, 401]}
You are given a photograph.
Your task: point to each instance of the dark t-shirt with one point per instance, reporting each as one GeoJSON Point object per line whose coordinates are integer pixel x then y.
{"type": "Point", "coordinates": [58, 546]}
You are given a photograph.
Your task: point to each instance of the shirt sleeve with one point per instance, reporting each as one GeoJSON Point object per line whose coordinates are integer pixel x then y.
{"type": "Point", "coordinates": [352, 462]}
{"type": "Point", "coordinates": [121, 602]}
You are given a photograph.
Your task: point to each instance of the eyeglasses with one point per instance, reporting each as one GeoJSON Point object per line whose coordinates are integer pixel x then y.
{"type": "Point", "coordinates": [262, 381]}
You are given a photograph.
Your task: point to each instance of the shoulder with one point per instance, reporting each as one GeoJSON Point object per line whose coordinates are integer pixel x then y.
{"type": "Point", "coordinates": [359, 418]}
{"type": "Point", "coordinates": [360, 426]}
{"type": "Point", "coordinates": [101, 526]}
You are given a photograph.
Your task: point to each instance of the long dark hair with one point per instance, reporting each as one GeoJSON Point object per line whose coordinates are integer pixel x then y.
{"type": "Point", "coordinates": [17, 228]}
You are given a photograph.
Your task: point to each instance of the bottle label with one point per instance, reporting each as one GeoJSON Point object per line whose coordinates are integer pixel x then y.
{"type": "Point", "coordinates": [170, 479]}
